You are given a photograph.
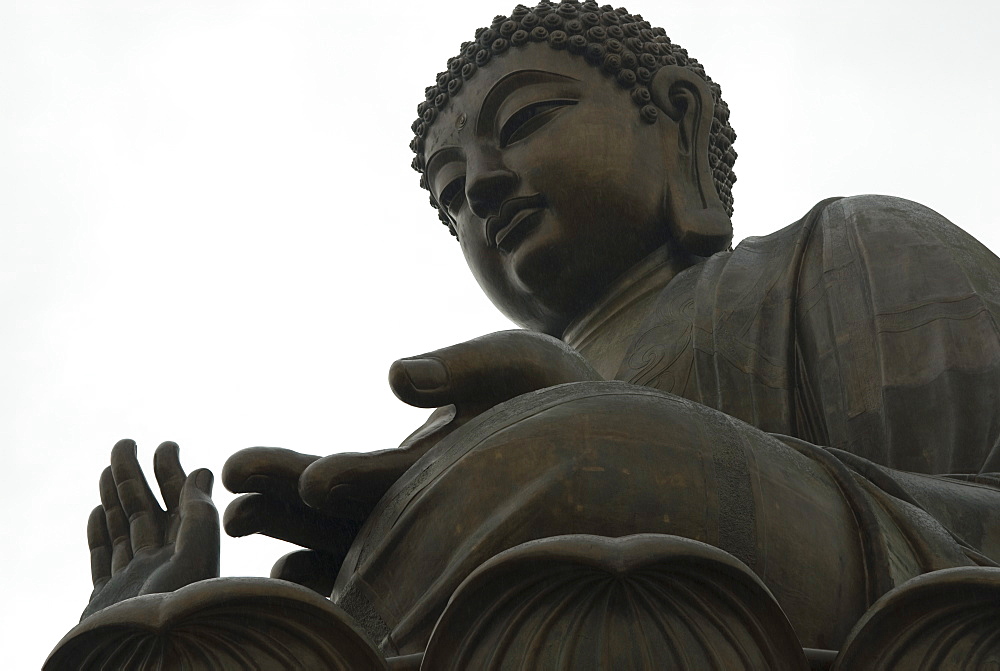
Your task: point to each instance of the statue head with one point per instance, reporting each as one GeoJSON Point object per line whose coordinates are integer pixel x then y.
{"type": "Point", "coordinates": [567, 143]}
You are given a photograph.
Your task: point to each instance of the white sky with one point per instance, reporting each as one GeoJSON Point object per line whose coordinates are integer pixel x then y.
{"type": "Point", "coordinates": [210, 233]}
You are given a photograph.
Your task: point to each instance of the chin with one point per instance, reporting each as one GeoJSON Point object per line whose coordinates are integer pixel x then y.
{"type": "Point", "coordinates": [532, 311]}
{"type": "Point", "coordinates": [540, 263]}
{"type": "Point", "coordinates": [545, 287]}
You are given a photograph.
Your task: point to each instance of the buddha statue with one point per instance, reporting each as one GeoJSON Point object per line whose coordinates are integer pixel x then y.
{"type": "Point", "coordinates": [692, 456]}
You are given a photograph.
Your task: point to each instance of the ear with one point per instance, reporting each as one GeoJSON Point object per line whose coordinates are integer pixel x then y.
{"type": "Point", "coordinates": [697, 216]}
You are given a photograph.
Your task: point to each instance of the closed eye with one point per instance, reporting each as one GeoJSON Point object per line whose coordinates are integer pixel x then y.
{"type": "Point", "coordinates": [452, 195]}
{"type": "Point", "coordinates": [528, 119]}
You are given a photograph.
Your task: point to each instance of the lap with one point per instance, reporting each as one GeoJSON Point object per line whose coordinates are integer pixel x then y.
{"type": "Point", "coordinates": [607, 459]}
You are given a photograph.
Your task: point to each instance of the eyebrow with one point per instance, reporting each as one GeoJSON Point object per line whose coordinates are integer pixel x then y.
{"type": "Point", "coordinates": [507, 85]}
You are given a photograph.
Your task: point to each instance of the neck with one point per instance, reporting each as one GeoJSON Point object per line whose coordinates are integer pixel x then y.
{"type": "Point", "coordinates": [604, 331]}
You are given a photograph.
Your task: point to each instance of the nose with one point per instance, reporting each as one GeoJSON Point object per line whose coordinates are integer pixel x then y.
{"type": "Point", "coordinates": [487, 189]}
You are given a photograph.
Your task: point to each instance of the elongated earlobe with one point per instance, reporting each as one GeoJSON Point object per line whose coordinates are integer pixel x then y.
{"type": "Point", "coordinates": [698, 219]}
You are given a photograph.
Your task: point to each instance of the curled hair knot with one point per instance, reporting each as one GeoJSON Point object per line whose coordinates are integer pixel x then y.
{"type": "Point", "coordinates": [538, 34]}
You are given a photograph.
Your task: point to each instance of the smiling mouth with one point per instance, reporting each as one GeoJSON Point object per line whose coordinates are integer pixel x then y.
{"type": "Point", "coordinates": [517, 218]}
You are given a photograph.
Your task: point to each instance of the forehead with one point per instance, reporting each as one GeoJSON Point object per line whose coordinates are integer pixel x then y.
{"type": "Point", "coordinates": [542, 66]}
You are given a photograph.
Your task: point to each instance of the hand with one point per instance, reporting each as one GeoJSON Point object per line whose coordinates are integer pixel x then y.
{"type": "Point", "coordinates": [462, 382]}
{"type": "Point", "coordinates": [269, 479]}
{"type": "Point", "coordinates": [138, 548]}
{"type": "Point", "coordinates": [320, 503]}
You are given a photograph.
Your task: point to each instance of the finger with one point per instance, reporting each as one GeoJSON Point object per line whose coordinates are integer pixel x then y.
{"type": "Point", "coordinates": [349, 484]}
{"type": "Point", "coordinates": [137, 500]}
{"type": "Point", "coordinates": [266, 470]}
{"type": "Point", "coordinates": [197, 547]}
{"type": "Point", "coordinates": [301, 525]}
{"type": "Point", "coordinates": [315, 570]}
{"type": "Point", "coordinates": [118, 530]}
{"type": "Point", "coordinates": [99, 543]}
{"type": "Point", "coordinates": [435, 428]}
{"type": "Point", "coordinates": [169, 473]}
{"type": "Point", "coordinates": [488, 370]}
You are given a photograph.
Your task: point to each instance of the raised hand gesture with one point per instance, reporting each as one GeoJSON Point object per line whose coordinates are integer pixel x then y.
{"type": "Point", "coordinates": [138, 548]}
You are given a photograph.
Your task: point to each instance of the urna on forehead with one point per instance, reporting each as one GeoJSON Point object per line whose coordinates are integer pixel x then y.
{"type": "Point", "coordinates": [623, 46]}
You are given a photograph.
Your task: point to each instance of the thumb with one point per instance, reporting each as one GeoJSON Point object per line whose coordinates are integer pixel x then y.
{"type": "Point", "coordinates": [488, 370]}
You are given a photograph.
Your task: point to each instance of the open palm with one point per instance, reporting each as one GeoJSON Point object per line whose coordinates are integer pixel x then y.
{"type": "Point", "coordinates": [138, 548]}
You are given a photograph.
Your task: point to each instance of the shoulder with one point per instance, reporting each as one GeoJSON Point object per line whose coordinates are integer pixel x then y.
{"type": "Point", "coordinates": [867, 215]}
{"type": "Point", "coordinates": [882, 243]}
{"type": "Point", "coordinates": [888, 252]}
{"type": "Point", "coordinates": [875, 204]}
{"type": "Point", "coordinates": [872, 226]}
{"type": "Point", "coordinates": [883, 220]}
{"type": "Point", "coordinates": [888, 230]}
{"type": "Point", "coordinates": [896, 255]}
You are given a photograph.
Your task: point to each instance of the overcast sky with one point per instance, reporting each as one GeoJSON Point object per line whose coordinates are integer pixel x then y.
{"type": "Point", "coordinates": [210, 233]}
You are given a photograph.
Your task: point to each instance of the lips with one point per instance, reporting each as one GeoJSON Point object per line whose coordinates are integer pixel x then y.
{"type": "Point", "coordinates": [516, 219]}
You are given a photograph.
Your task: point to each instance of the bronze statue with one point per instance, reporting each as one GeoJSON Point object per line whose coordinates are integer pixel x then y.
{"type": "Point", "coordinates": [692, 457]}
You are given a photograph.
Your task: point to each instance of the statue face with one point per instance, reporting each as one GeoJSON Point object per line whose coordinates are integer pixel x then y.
{"type": "Point", "coordinates": [555, 184]}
